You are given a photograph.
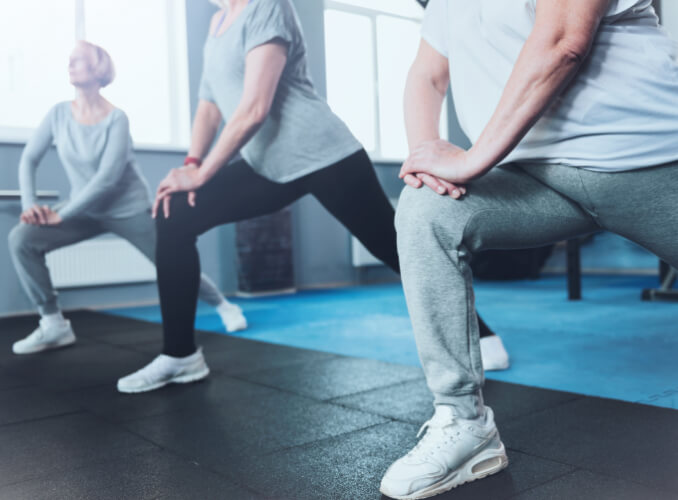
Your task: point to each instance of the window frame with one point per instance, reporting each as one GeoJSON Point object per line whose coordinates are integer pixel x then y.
{"type": "Point", "coordinates": [178, 91]}
{"type": "Point", "coordinates": [377, 155]}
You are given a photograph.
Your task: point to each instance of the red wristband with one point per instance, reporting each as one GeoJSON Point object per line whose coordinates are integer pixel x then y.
{"type": "Point", "coordinates": [192, 160]}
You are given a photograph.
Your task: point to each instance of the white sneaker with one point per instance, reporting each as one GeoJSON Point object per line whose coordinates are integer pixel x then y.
{"type": "Point", "coordinates": [232, 317]}
{"type": "Point", "coordinates": [46, 337]}
{"type": "Point", "coordinates": [452, 452]}
{"type": "Point", "coordinates": [493, 353]}
{"type": "Point", "coordinates": [165, 370]}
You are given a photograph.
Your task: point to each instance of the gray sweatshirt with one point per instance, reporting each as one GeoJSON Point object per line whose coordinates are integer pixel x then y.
{"type": "Point", "coordinates": [98, 159]}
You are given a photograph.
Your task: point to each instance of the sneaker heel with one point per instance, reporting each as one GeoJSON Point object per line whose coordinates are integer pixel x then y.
{"type": "Point", "coordinates": [488, 466]}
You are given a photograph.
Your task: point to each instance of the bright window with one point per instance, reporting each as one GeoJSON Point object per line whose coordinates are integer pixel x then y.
{"type": "Point", "coordinates": [146, 39]}
{"type": "Point", "coordinates": [369, 48]}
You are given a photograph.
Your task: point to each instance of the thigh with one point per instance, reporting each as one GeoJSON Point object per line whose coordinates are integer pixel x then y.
{"type": "Point", "coordinates": [236, 193]}
{"type": "Point", "coordinates": [351, 192]}
{"type": "Point", "coordinates": [505, 209]}
{"type": "Point", "coordinates": [48, 238]}
{"type": "Point", "coordinates": [641, 205]}
{"type": "Point", "coordinates": [139, 230]}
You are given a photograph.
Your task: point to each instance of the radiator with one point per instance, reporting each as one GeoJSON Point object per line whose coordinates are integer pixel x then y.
{"type": "Point", "coordinates": [99, 261]}
{"type": "Point", "coordinates": [360, 256]}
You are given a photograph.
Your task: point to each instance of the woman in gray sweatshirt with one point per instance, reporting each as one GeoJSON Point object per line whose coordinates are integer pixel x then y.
{"type": "Point", "coordinates": [108, 194]}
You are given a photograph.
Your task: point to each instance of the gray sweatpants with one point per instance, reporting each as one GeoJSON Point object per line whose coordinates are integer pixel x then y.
{"type": "Point", "coordinates": [515, 206]}
{"type": "Point", "coordinates": [29, 243]}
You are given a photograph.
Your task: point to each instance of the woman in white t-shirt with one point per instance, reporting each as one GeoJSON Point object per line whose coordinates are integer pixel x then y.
{"type": "Point", "coordinates": [572, 110]}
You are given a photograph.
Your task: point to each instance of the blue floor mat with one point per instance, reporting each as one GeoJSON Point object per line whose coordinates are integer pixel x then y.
{"type": "Point", "coordinates": [610, 344]}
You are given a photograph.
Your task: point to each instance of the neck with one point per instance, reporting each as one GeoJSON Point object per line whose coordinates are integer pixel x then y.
{"type": "Point", "coordinates": [88, 98]}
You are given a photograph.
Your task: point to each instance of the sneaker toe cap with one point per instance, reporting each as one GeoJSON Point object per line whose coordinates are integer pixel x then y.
{"type": "Point", "coordinates": [130, 384]}
{"type": "Point", "coordinates": [404, 478]}
{"type": "Point", "coordinates": [20, 347]}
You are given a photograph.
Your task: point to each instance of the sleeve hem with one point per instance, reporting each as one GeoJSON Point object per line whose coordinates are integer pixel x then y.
{"type": "Point", "coordinates": [265, 38]}
{"type": "Point", "coordinates": [435, 44]}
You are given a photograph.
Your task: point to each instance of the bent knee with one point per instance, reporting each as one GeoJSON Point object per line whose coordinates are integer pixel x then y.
{"type": "Point", "coordinates": [422, 208]}
{"type": "Point", "coordinates": [180, 223]}
{"type": "Point", "coordinates": [19, 237]}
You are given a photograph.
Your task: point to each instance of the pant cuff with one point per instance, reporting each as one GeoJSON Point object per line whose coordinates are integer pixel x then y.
{"type": "Point", "coordinates": [51, 307]}
{"type": "Point", "coordinates": [466, 406]}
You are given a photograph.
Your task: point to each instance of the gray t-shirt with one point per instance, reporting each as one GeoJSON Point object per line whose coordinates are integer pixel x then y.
{"type": "Point", "coordinates": [98, 160]}
{"type": "Point", "coordinates": [300, 134]}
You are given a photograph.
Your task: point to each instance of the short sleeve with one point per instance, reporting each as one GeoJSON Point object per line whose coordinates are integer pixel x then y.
{"type": "Point", "coordinates": [272, 20]}
{"type": "Point", "coordinates": [204, 91]}
{"type": "Point", "coordinates": [435, 25]}
{"type": "Point", "coordinates": [622, 8]}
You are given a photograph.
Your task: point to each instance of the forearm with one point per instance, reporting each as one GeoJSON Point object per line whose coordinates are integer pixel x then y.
{"type": "Point", "coordinates": [205, 125]}
{"type": "Point", "coordinates": [237, 132]}
{"type": "Point", "coordinates": [95, 189]}
{"type": "Point", "coordinates": [264, 66]}
{"type": "Point", "coordinates": [540, 74]}
{"type": "Point", "coordinates": [27, 169]}
{"type": "Point", "coordinates": [32, 155]}
{"type": "Point", "coordinates": [423, 105]}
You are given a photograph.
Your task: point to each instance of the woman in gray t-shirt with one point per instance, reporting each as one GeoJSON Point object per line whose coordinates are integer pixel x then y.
{"type": "Point", "coordinates": [255, 77]}
{"type": "Point", "coordinates": [108, 194]}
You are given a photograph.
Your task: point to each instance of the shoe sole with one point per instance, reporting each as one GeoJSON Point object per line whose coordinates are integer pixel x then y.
{"type": "Point", "coordinates": [236, 326]}
{"type": "Point", "coordinates": [492, 460]}
{"type": "Point", "coordinates": [497, 367]}
{"type": "Point", "coordinates": [184, 379]}
{"type": "Point", "coordinates": [48, 347]}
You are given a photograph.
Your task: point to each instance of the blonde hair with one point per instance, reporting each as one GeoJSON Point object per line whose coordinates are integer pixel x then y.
{"type": "Point", "coordinates": [102, 66]}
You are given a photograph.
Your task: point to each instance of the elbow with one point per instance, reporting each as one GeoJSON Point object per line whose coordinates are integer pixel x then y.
{"type": "Point", "coordinates": [421, 76]}
{"type": "Point", "coordinates": [210, 114]}
{"type": "Point", "coordinates": [27, 163]}
{"type": "Point", "coordinates": [258, 115]}
{"type": "Point", "coordinates": [571, 50]}
{"type": "Point", "coordinates": [255, 114]}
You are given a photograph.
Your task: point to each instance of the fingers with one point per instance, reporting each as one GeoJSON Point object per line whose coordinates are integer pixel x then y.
{"type": "Point", "coordinates": [165, 184]}
{"type": "Point", "coordinates": [407, 167]}
{"type": "Point", "coordinates": [191, 198]}
{"type": "Point", "coordinates": [50, 215]}
{"type": "Point", "coordinates": [30, 217]}
{"type": "Point", "coordinates": [412, 180]}
{"type": "Point", "coordinates": [38, 215]}
{"type": "Point", "coordinates": [154, 210]}
{"type": "Point", "coordinates": [452, 189]}
{"type": "Point", "coordinates": [432, 183]}
{"type": "Point", "coordinates": [164, 189]}
{"type": "Point", "coordinates": [166, 206]}
{"type": "Point", "coordinates": [162, 196]}
{"type": "Point", "coordinates": [415, 164]}
{"type": "Point", "coordinates": [440, 186]}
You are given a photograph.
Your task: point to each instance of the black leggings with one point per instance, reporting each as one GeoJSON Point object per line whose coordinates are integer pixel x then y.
{"type": "Point", "coordinates": [348, 189]}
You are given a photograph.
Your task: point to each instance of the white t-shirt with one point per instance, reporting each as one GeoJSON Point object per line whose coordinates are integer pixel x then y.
{"type": "Point", "coordinates": [619, 113]}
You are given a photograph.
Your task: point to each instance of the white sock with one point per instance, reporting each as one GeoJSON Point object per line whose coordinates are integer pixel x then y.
{"type": "Point", "coordinates": [54, 319]}
{"type": "Point", "coordinates": [225, 306]}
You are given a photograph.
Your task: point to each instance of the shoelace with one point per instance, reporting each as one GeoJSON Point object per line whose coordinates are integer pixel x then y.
{"type": "Point", "coordinates": [38, 334]}
{"type": "Point", "coordinates": [432, 439]}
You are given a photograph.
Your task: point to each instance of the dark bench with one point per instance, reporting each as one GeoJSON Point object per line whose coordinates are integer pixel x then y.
{"type": "Point", "coordinates": [667, 277]}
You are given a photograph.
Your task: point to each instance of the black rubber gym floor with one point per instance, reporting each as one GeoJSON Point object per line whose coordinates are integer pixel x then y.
{"type": "Point", "coordinates": [284, 423]}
